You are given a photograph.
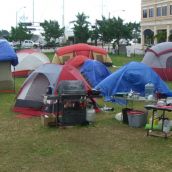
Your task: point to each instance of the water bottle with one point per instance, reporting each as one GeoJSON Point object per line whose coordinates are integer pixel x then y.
{"type": "Point", "coordinates": [149, 90]}
{"type": "Point", "coordinates": [166, 126]}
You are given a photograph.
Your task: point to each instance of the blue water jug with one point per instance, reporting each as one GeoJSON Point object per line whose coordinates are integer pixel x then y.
{"type": "Point", "coordinates": [149, 89]}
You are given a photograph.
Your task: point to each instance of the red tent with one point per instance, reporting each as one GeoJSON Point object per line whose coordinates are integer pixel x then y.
{"type": "Point", "coordinates": [29, 51]}
{"type": "Point", "coordinates": [29, 60]}
{"type": "Point", "coordinates": [30, 97]}
{"type": "Point", "coordinates": [159, 58]}
{"type": "Point", "coordinates": [80, 49]}
{"type": "Point", "coordinates": [68, 52]}
{"type": "Point", "coordinates": [77, 61]}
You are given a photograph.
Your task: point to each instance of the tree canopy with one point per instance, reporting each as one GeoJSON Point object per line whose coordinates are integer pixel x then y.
{"type": "Point", "coordinates": [52, 30]}
{"type": "Point", "coordinates": [19, 33]}
{"type": "Point", "coordinates": [81, 28]}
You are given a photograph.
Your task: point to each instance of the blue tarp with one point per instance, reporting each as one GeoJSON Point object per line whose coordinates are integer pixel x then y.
{"type": "Point", "coordinates": [132, 76]}
{"type": "Point", "coordinates": [94, 71]}
{"type": "Point", "coordinates": [7, 53]}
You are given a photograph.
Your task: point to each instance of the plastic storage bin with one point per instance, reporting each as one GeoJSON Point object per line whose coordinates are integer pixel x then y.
{"type": "Point", "coordinates": [137, 118]}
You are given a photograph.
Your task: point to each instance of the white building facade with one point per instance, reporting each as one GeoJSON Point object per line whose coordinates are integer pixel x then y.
{"type": "Point", "coordinates": [156, 18]}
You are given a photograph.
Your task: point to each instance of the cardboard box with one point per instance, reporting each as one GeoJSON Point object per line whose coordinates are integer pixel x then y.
{"type": "Point", "coordinates": [48, 120]}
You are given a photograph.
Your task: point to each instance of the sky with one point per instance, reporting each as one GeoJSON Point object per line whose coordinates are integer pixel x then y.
{"type": "Point", "coordinates": [14, 11]}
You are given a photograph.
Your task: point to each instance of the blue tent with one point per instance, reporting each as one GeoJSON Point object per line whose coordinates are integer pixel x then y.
{"type": "Point", "coordinates": [7, 53]}
{"type": "Point", "coordinates": [132, 76]}
{"type": "Point", "coordinates": [94, 71]}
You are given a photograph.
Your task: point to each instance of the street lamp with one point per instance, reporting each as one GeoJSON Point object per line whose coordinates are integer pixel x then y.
{"type": "Point", "coordinates": [17, 14]}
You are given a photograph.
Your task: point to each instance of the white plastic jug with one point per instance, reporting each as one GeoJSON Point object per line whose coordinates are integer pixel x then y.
{"type": "Point", "coordinates": [166, 126]}
{"type": "Point", "coordinates": [149, 90]}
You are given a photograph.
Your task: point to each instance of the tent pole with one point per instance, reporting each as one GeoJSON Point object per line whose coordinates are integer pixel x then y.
{"type": "Point", "coordinates": [14, 81]}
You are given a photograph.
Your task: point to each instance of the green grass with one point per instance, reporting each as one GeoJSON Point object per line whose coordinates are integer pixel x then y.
{"type": "Point", "coordinates": [107, 146]}
{"type": "Point", "coordinates": [50, 55]}
{"type": "Point", "coordinates": [119, 60]}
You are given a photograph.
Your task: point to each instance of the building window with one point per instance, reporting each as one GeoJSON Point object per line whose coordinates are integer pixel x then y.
{"type": "Point", "coordinates": [164, 11]}
{"type": "Point", "coordinates": [144, 13]}
{"type": "Point", "coordinates": [151, 12]}
{"type": "Point", "coordinates": [158, 11]}
{"type": "Point", "coordinates": [170, 9]}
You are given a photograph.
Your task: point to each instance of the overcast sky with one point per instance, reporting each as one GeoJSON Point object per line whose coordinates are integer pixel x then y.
{"type": "Point", "coordinates": [22, 10]}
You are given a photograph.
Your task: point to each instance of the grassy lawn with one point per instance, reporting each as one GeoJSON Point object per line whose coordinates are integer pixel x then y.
{"type": "Point", "coordinates": [108, 146]}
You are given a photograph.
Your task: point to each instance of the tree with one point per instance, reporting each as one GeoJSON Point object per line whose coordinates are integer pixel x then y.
{"type": "Point", "coordinates": [170, 38]}
{"type": "Point", "coordinates": [19, 33]}
{"type": "Point", "coordinates": [52, 31]}
{"type": "Point", "coordinates": [4, 34]}
{"type": "Point", "coordinates": [94, 34]}
{"type": "Point", "coordinates": [81, 28]}
{"type": "Point", "coordinates": [114, 29]}
{"type": "Point", "coordinates": [105, 30]}
{"type": "Point", "coordinates": [161, 36]}
{"type": "Point", "coordinates": [134, 31]}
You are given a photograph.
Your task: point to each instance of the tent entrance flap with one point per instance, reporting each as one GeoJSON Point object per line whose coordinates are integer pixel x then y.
{"type": "Point", "coordinates": [169, 62]}
{"type": "Point", "coordinates": [38, 88]}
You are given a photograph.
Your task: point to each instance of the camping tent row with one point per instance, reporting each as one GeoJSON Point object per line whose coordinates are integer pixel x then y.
{"type": "Point", "coordinates": [68, 52]}
{"type": "Point", "coordinates": [159, 57]}
{"type": "Point", "coordinates": [8, 57]}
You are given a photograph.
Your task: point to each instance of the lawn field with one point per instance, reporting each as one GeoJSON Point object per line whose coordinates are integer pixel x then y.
{"type": "Point", "coordinates": [106, 146]}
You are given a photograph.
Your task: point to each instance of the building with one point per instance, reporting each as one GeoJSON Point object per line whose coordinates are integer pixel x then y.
{"type": "Point", "coordinates": [156, 21]}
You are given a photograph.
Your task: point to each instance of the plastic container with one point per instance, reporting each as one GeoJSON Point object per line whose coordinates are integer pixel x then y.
{"type": "Point", "coordinates": [90, 115]}
{"type": "Point", "coordinates": [149, 90]}
{"type": "Point", "coordinates": [137, 118]}
{"type": "Point", "coordinates": [166, 126]}
{"type": "Point", "coordinates": [156, 120]}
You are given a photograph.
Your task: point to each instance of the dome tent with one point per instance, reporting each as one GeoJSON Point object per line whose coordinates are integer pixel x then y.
{"type": "Point", "coordinates": [29, 60]}
{"type": "Point", "coordinates": [68, 52]}
{"type": "Point", "coordinates": [8, 57]}
{"type": "Point", "coordinates": [30, 97]}
{"type": "Point", "coordinates": [94, 72]}
{"type": "Point", "coordinates": [159, 58]}
{"type": "Point", "coordinates": [77, 61]}
{"type": "Point", "coordinates": [132, 76]}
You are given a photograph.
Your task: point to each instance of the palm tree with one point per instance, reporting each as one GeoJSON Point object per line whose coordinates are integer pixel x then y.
{"type": "Point", "coordinates": [81, 28]}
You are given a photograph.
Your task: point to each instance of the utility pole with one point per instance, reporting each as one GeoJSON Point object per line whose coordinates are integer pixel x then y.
{"type": "Point", "coordinates": [63, 18]}
{"type": "Point", "coordinates": [102, 7]}
{"type": "Point", "coordinates": [17, 14]}
{"type": "Point", "coordinates": [33, 12]}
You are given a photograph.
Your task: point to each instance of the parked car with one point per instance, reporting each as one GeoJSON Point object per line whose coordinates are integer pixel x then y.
{"type": "Point", "coordinates": [29, 44]}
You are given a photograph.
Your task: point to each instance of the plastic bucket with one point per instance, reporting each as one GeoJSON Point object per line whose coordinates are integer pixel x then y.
{"type": "Point", "coordinates": [137, 118]}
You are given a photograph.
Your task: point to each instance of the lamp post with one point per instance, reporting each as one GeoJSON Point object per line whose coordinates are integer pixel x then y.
{"type": "Point", "coordinates": [17, 14]}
